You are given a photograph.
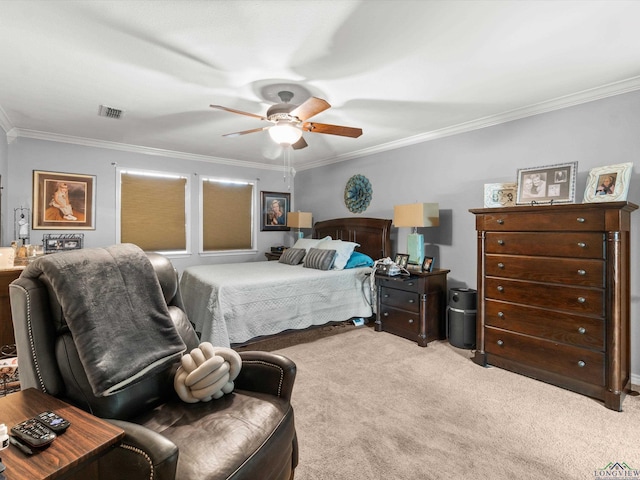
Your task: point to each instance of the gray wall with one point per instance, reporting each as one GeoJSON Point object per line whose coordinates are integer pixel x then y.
{"type": "Point", "coordinates": [26, 155]}
{"type": "Point", "coordinates": [453, 171]}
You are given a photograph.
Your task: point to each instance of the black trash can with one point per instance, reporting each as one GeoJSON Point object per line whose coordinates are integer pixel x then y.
{"type": "Point", "coordinates": [461, 317]}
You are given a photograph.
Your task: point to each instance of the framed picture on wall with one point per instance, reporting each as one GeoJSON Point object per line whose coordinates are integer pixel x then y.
{"type": "Point", "coordinates": [550, 184]}
{"type": "Point", "coordinates": [63, 201]}
{"type": "Point", "coordinates": [274, 208]}
{"type": "Point", "coordinates": [608, 184]}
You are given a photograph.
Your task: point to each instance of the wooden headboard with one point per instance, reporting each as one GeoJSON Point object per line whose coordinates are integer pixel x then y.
{"type": "Point", "coordinates": [373, 234]}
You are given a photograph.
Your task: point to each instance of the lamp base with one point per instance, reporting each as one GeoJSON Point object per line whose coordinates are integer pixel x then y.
{"type": "Point", "coordinates": [415, 248]}
{"type": "Point", "coordinates": [299, 235]}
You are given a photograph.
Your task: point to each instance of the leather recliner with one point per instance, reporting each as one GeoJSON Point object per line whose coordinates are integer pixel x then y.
{"type": "Point", "coordinates": [248, 434]}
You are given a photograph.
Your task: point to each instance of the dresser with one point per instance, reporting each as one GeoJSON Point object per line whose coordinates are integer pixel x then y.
{"type": "Point", "coordinates": [6, 324]}
{"type": "Point", "coordinates": [554, 295]}
{"type": "Point", "coordinates": [412, 306]}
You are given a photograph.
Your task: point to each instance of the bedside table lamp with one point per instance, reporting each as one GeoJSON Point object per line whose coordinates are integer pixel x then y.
{"type": "Point", "coordinates": [299, 220]}
{"type": "Point", "coordinates": [416, 215]}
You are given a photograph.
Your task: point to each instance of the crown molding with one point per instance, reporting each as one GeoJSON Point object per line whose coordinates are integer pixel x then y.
{"type": "Point", "coordinates": [612, 89]}
{"type": "Point", "coordinates": [586, 96]}
{"type": "Point", "coordinates": [125, 147]}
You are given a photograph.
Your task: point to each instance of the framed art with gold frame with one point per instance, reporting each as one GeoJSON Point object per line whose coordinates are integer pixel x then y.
{"type": "Point", "coordinates": [63, 201]}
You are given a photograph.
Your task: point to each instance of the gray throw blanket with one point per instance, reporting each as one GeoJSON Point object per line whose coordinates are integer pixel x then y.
{"type": "Point", "coordinates": [113, 305]}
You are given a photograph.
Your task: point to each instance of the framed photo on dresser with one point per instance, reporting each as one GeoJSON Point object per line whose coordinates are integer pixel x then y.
{"type": "Point", "coordinates": [549, 184]}
{"type": "Point", "coordinates": [608, 184]}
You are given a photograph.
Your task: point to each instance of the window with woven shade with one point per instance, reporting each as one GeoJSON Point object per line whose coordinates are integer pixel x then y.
{"type": "Point", "coordinates": [227, 215]}
{"type": "Point", "coordinates": [153, 210]}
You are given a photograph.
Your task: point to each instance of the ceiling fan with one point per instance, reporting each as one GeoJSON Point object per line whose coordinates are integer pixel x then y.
{"type": "Point", "coordinates": [291, 120]}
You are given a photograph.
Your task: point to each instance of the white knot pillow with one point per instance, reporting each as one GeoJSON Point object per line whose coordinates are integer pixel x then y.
{"type": "Point", "coordinates": [206, 372]}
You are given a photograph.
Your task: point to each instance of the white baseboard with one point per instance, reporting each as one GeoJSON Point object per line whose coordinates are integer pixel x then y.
{"type": "Point", "coordinates": [635, 379]}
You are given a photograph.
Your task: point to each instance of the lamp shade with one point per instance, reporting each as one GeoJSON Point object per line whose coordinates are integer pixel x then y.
{"type": "Point", "coordinates": [299, 220]}
{"type": "Point", "coordinates": [416, 215]}
{"type": "Point", "coordinates": [285, 132]}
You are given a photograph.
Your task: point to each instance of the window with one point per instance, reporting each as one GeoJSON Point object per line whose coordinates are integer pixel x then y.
{"type": "Point", "coordinates": [227, 215]}
{"type": "Point", "coordinates": [153, 210]}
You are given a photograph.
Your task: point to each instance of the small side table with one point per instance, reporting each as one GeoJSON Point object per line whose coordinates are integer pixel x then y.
{"type": "Point", "coordinates": [413, 306]}
{"type": "Point", "coordinates": [272, 255]}
{"type": "Point", "coordinates": [85, 440]}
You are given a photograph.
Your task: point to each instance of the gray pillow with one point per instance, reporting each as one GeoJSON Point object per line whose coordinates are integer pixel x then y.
{"type": "Point", "coordinates": [320, 259]}
{"type": "Point", "coordinates": [292, 256]}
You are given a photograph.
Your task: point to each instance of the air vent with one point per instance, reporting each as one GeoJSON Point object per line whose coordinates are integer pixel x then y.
{"type": "Point", "coordinates": [110, 112]}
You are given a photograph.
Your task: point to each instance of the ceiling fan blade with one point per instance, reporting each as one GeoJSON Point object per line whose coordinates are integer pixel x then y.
{"type": "Point", "coordinates": [300, 144]}
{"type": "Point", "coordinates": [232, 110]}
{"type": "Point", "coordinates": [244, 132]}
{"type": "Point", "coordinates": [332, 129]}
{"type": "Point", "coordinates": [310, 107]}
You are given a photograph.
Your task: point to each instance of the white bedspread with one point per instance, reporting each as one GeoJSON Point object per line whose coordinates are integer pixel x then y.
{"type": "Point", "coordinates": [233, 303]}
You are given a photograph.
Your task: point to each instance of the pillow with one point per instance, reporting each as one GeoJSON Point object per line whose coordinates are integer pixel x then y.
{"type": "Point", "coordinates": [292, 256]}
{"type": "Point", "coordinates": [343, 251]}
{"type": "Point", "coordinates": [308, 243]}
{"type": "Point", "coordinates": [358, 259]}
{"type": "Point", "coordinates": [320, 259]}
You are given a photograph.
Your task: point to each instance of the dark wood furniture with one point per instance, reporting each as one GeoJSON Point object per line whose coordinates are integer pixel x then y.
{"type": "Point", "coordinates": [412, 306]}
{"type": "Point", "coordinates": [553, 295]}
{"type": "Point", "coordinates": [373, 234]}
{"type": "Point", "coordinates": [272, 255]}
{"type": "Point", "coordinates": [87, 438]}
{"type": "Point", "coordinates": [6, 325]}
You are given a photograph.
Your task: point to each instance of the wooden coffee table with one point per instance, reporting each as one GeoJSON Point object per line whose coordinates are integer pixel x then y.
{"type": "Point", "coordinates": [85, 440]}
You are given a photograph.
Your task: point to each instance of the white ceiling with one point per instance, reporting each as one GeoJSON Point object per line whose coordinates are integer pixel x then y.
{"type": "Point", "coordinates": [403, 71]}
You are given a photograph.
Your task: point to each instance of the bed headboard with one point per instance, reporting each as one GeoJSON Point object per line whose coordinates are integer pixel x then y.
{"type": "Point", "coordinates": [373, 234]}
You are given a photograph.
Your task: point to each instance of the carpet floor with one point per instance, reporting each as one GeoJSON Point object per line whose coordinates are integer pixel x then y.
{"type": "Point", "coordinates": [371, 405]}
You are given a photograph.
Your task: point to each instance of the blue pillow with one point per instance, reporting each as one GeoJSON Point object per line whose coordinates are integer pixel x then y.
{"type": "Point", "coordinates": [358, 259]}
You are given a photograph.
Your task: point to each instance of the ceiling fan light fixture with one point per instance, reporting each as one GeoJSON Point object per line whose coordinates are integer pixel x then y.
{"type": "Point", "coordinates": [285, 133]}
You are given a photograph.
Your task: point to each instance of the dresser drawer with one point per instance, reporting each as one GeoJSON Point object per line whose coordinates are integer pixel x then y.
{"type": "Point", "coordinates": [547, 269]}
{"type": "Point", "coordinates": [400, 322]}
{"type": "Point", "coordinates": [400, 299]}
{"type": "Point", "coordinates": [549, 221]}
{"type": "Point", "coordinates": [582, 300]}
{"type": "Point", "coordinates": [400, 283]}
{"type": "Point", "coordinates": [578, 330]}
{"type": "Point", "coordinates": [578, 363]}
{"type": "Point", "coordinates": [574, 245]}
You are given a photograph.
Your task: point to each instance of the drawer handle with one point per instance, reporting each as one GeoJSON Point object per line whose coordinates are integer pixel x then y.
{"type": "Point", "coordinates": [500, 242]}
{"type": "Point", "coordinates": [582, 330]}
{"type": "Point", "coordinates": [500, 221]}
{"type": "Point", "coordinates": [500, 288]}
{"type": "Point", "coordinates": [386, 295]}
{"type": "Point", "coordinates": [411, 320]}
{"type": "Point", "coordinates": [500, 343]}
{"type": "Point", "coordinates": [385, 314]}
{"type": "Point", "coordinates": [501, 265]}
{"type": "Point", "coordinates": [582, 244]}
{"type": "Point", "coordinates": [501, 314]}
{"type": "Point", "coordinates": [581, 299]}
{"type": "Point", "coordinates": [410, 284]}
{"type": "Point", "coordinates": [580, 220]}
{"type": "Point", "coordinates": [582, 272]}
{"type": "Point", "coordinates": [581, 363]}
{"type": "Point", "coordinates": [412, 301]}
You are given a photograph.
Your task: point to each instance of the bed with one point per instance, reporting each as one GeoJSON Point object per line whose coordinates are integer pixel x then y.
{"type": "Point", "coordinates": [232, 304]}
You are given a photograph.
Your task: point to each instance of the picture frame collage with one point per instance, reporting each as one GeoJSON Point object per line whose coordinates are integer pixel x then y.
{"type": "Point", "coordinates": [556, 184]}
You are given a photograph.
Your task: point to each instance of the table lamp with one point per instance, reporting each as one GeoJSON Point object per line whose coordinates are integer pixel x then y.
{"type": "Point", "coordinates": [416, 215]}
{"type": "Point", "coordinates": [299, 220]}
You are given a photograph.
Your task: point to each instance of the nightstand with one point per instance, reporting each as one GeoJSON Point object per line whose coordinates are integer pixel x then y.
{"type": "Point", "coordinates": [413, 306]}
{"type": "Point", "coordinates": [272, 255]}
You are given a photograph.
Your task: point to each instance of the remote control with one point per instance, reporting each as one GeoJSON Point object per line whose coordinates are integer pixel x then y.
{"type": "Point", "coordinates": [33, 433]}
{"type": "Point", "coordinates": [53, 421]}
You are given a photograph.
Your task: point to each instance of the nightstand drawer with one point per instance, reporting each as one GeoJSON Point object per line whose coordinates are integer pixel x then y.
{"type": "Point", "coordinates": [409, 284]}
{"type": "Point", "coordinates": [400, 299]}
{"type": "Point", "coordinates": [577, 220]}
{"type": "Point", "coordinates": [577, 330]}
{"type": "Point", "coordinates": [570, 244]}
{"type": "Point", "coordinates": [581, 300]}
{"type": "Point", "coordinates": [579, 363]}
{"type": "Point", "coordinates": [399, 322]}
{"type": "Point", "coordinates": [569, 271]}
